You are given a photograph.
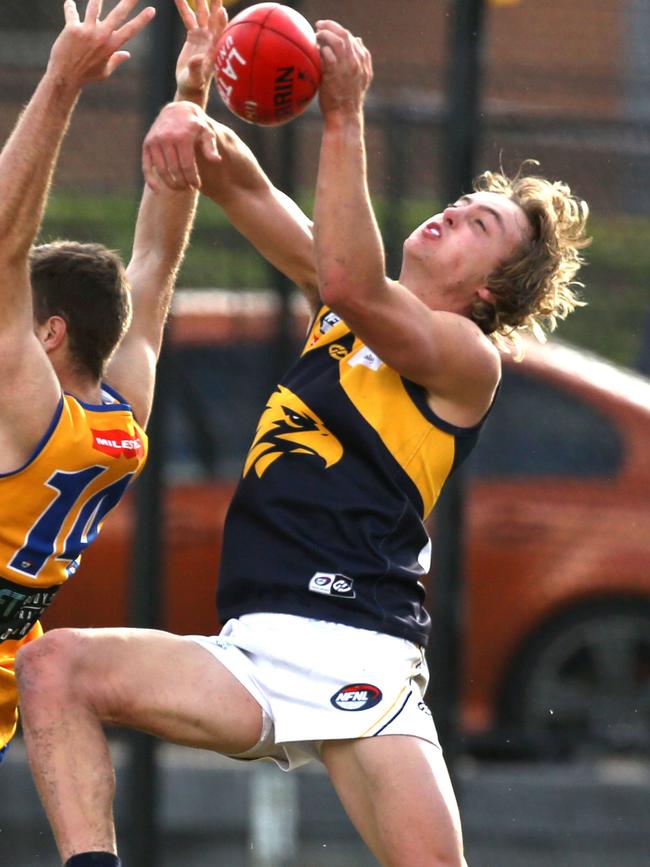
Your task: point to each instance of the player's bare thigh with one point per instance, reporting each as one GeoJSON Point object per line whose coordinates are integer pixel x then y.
{"type": "Point", "coordinates": [154, 681]}
{"type": "Point", "coordinates": [397, 792]}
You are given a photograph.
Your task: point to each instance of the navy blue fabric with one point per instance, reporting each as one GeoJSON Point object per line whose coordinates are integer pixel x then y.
{"type": "Point", "coordinates": [357, 519]}
{"type": "Point", "coordinates": [93, 859]}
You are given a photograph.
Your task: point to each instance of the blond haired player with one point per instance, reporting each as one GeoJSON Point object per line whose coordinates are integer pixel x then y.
{"type": "Point", "coordinates": [324, 549]}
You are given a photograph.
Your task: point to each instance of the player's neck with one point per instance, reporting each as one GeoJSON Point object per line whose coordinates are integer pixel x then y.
{"type": "Point", "coordinates": [73, 379]}
{"type": "Point", "coordinates": [436, 297]}
{"type": "Point", "coordinates": [84, 389]}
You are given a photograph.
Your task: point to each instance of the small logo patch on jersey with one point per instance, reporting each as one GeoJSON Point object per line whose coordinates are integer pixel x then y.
{"type": "Point", "coordinates": [117, 442]}
{"type": "Point", "coordinates": [332, 584]}
{"type": "Point", "coordinates": [357, 696]}
{"type": "Point", "coordinates": [367, 358]}
{"type": "Point", "coordinates": [328, 321]}
{"type": "Point", "coordinates": [337, 351]}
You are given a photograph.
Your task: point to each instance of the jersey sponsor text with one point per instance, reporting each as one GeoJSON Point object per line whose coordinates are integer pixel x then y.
{"type": "Point", "coordinates": [116, 443]}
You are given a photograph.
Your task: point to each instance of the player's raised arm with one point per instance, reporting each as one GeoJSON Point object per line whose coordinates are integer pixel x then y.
{"type": "Point", "coordinates": [195, 65]}
{"type": "Point", "coordinates": [186, 148]}
{"type": "Point", "coordinates": [87, 49]}
{"type": "Point", "coordinates": [165, 218]}
{"type": "Point", "coordinates": [273, 223]}
{"type": "Point", "coordinates": [232, 177]}
{"type": "Point", "coordinates": [418, 325]}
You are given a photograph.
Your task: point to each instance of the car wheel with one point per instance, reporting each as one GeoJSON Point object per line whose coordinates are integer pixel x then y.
{"type": "Point", "coordinates": [583, 681]}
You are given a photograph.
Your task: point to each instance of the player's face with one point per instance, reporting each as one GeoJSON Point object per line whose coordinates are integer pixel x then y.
{"type": "Point", "coordinates": [460, 247]}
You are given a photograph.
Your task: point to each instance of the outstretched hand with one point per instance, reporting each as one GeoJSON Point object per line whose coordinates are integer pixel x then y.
{"type": "Point", "coordinates": [195, 65]}
{"type": "Point", "coordinates": [169, 149]}
{"type": "Point", "coordinates": [91, 50]}
{"type": "Point", "coordinates": [347, 69]}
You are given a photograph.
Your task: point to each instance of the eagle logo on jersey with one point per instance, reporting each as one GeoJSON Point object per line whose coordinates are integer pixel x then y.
{"type": "Point", "coordinates": [288, 427]}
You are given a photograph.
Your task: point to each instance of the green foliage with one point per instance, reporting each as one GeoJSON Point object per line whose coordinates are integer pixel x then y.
{"type": "Point", "coordinates": [616, 276]}
{"type": "Point", "coordinates": [217, 256]}
{"type": "Point", "coordinates": [621, 244]}
{"type": "Point", "coordinates": [616, 289]}
{"type": "Point", "coordinates": [107, 219]}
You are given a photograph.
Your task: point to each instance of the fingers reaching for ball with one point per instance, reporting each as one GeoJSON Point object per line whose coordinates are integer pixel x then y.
{"type": "Point", "coordinates": [342, 46]}
{"type": "Point", "coordinates": [200, 13]}
{"type": "Point", "coordinates": [347, 68]}
{"type": "Point", "coordinates": [204, 23]}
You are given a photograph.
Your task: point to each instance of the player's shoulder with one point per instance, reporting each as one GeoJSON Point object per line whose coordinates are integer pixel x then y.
{"type": "Point", "coordinates": [462, 389]}
{"type": "Point", "coordinates": [471, 348]}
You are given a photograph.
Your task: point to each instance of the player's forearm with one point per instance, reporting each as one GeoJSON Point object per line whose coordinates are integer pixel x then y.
{"type": "Point", "coordinates": [27, 164]}
{"type": "Point", "coordinates": [272, 222]}
{"type": "Point", "coordinates": [349, 250]}
{"type": "Point", "coordinates": [161, 237]}
{"type": "Point", "coordinates": [238, 170]}
{"type": "Point", "coordinates": [199, 96]}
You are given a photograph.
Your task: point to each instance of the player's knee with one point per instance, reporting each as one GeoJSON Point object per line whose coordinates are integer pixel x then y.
{"type": "Point", "coordinates": [448, 859]}
{"type": "Point", "coordinates": [48, 664]}
{"type": "Point", "coordinates": [428, 858]}
{"type": "Point", "coordinates": [448, 853]}
{"type": "Point", "coordinates": [433, 850]}
{"type": "Point", "coordinates": [440, 858]}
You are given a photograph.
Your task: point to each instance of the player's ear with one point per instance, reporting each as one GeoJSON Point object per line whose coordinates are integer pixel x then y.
{"type": "Point", "coordinates": [52, 332]}
{"type": "Point", "coordinates": [486, 294]}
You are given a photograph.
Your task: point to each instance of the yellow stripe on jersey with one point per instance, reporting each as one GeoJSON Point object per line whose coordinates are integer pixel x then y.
{"type": "Point", "coordinates": [425, 453]}
{"type": "Point", "coordinates": [317, 338]}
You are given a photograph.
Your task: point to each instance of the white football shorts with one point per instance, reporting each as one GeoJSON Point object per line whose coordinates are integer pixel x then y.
{"type": "Point", "coordinates": [317, 681]}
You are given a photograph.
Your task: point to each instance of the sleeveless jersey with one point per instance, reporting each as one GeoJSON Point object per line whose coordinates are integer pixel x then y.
{"type": "Point", "coordinates": [51, 509]}
{"type": "Point", "coordinates": [328, 518]}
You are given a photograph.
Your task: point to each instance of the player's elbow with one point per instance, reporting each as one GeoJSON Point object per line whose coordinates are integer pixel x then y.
{"type": "Point", "coordinates": [336, 288]}
{"type": "Point", "coordinates": [345, 295]}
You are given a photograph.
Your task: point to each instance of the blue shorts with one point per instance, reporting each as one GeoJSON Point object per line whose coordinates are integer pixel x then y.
{"type": "Point", "coordinates": [3, 751]}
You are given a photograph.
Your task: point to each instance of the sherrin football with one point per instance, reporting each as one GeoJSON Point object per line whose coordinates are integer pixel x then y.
{"type": "Point", "coordinates": [268, 66]}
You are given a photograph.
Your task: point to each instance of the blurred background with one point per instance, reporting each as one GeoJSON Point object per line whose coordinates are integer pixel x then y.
{"type": "Point", "coordinates": [540, 592]}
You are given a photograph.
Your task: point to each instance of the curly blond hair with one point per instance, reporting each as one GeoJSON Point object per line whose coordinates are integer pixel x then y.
{"type": "Point", "coordinates": [536, 287]}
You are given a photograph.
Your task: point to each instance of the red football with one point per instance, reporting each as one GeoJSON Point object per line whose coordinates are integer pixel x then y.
{"type": "Point", "coordinates": [268, 66]}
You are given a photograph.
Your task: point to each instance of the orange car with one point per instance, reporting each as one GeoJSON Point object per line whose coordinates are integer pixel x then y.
{"type": "Point", "coordinates": [557, 628]}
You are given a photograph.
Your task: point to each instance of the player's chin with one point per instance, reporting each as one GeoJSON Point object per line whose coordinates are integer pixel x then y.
{"type": "Point", "coordinates": [410, 243]}
{"type": "Point", "coordinates": [416, 246]}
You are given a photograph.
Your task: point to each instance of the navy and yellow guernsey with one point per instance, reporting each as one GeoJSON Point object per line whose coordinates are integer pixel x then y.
{"type": "Point", "coordinates": [50, 510]}
{"type": "Point", "coordinates": [328, 518]}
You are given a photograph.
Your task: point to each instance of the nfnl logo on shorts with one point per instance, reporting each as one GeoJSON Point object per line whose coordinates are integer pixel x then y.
{"type": "Point", "coordinates": [357, 696]}
{"type": "Point", "coordinates": [332, 584]}
{"type": "Point", "coordinates": [117, 442]}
